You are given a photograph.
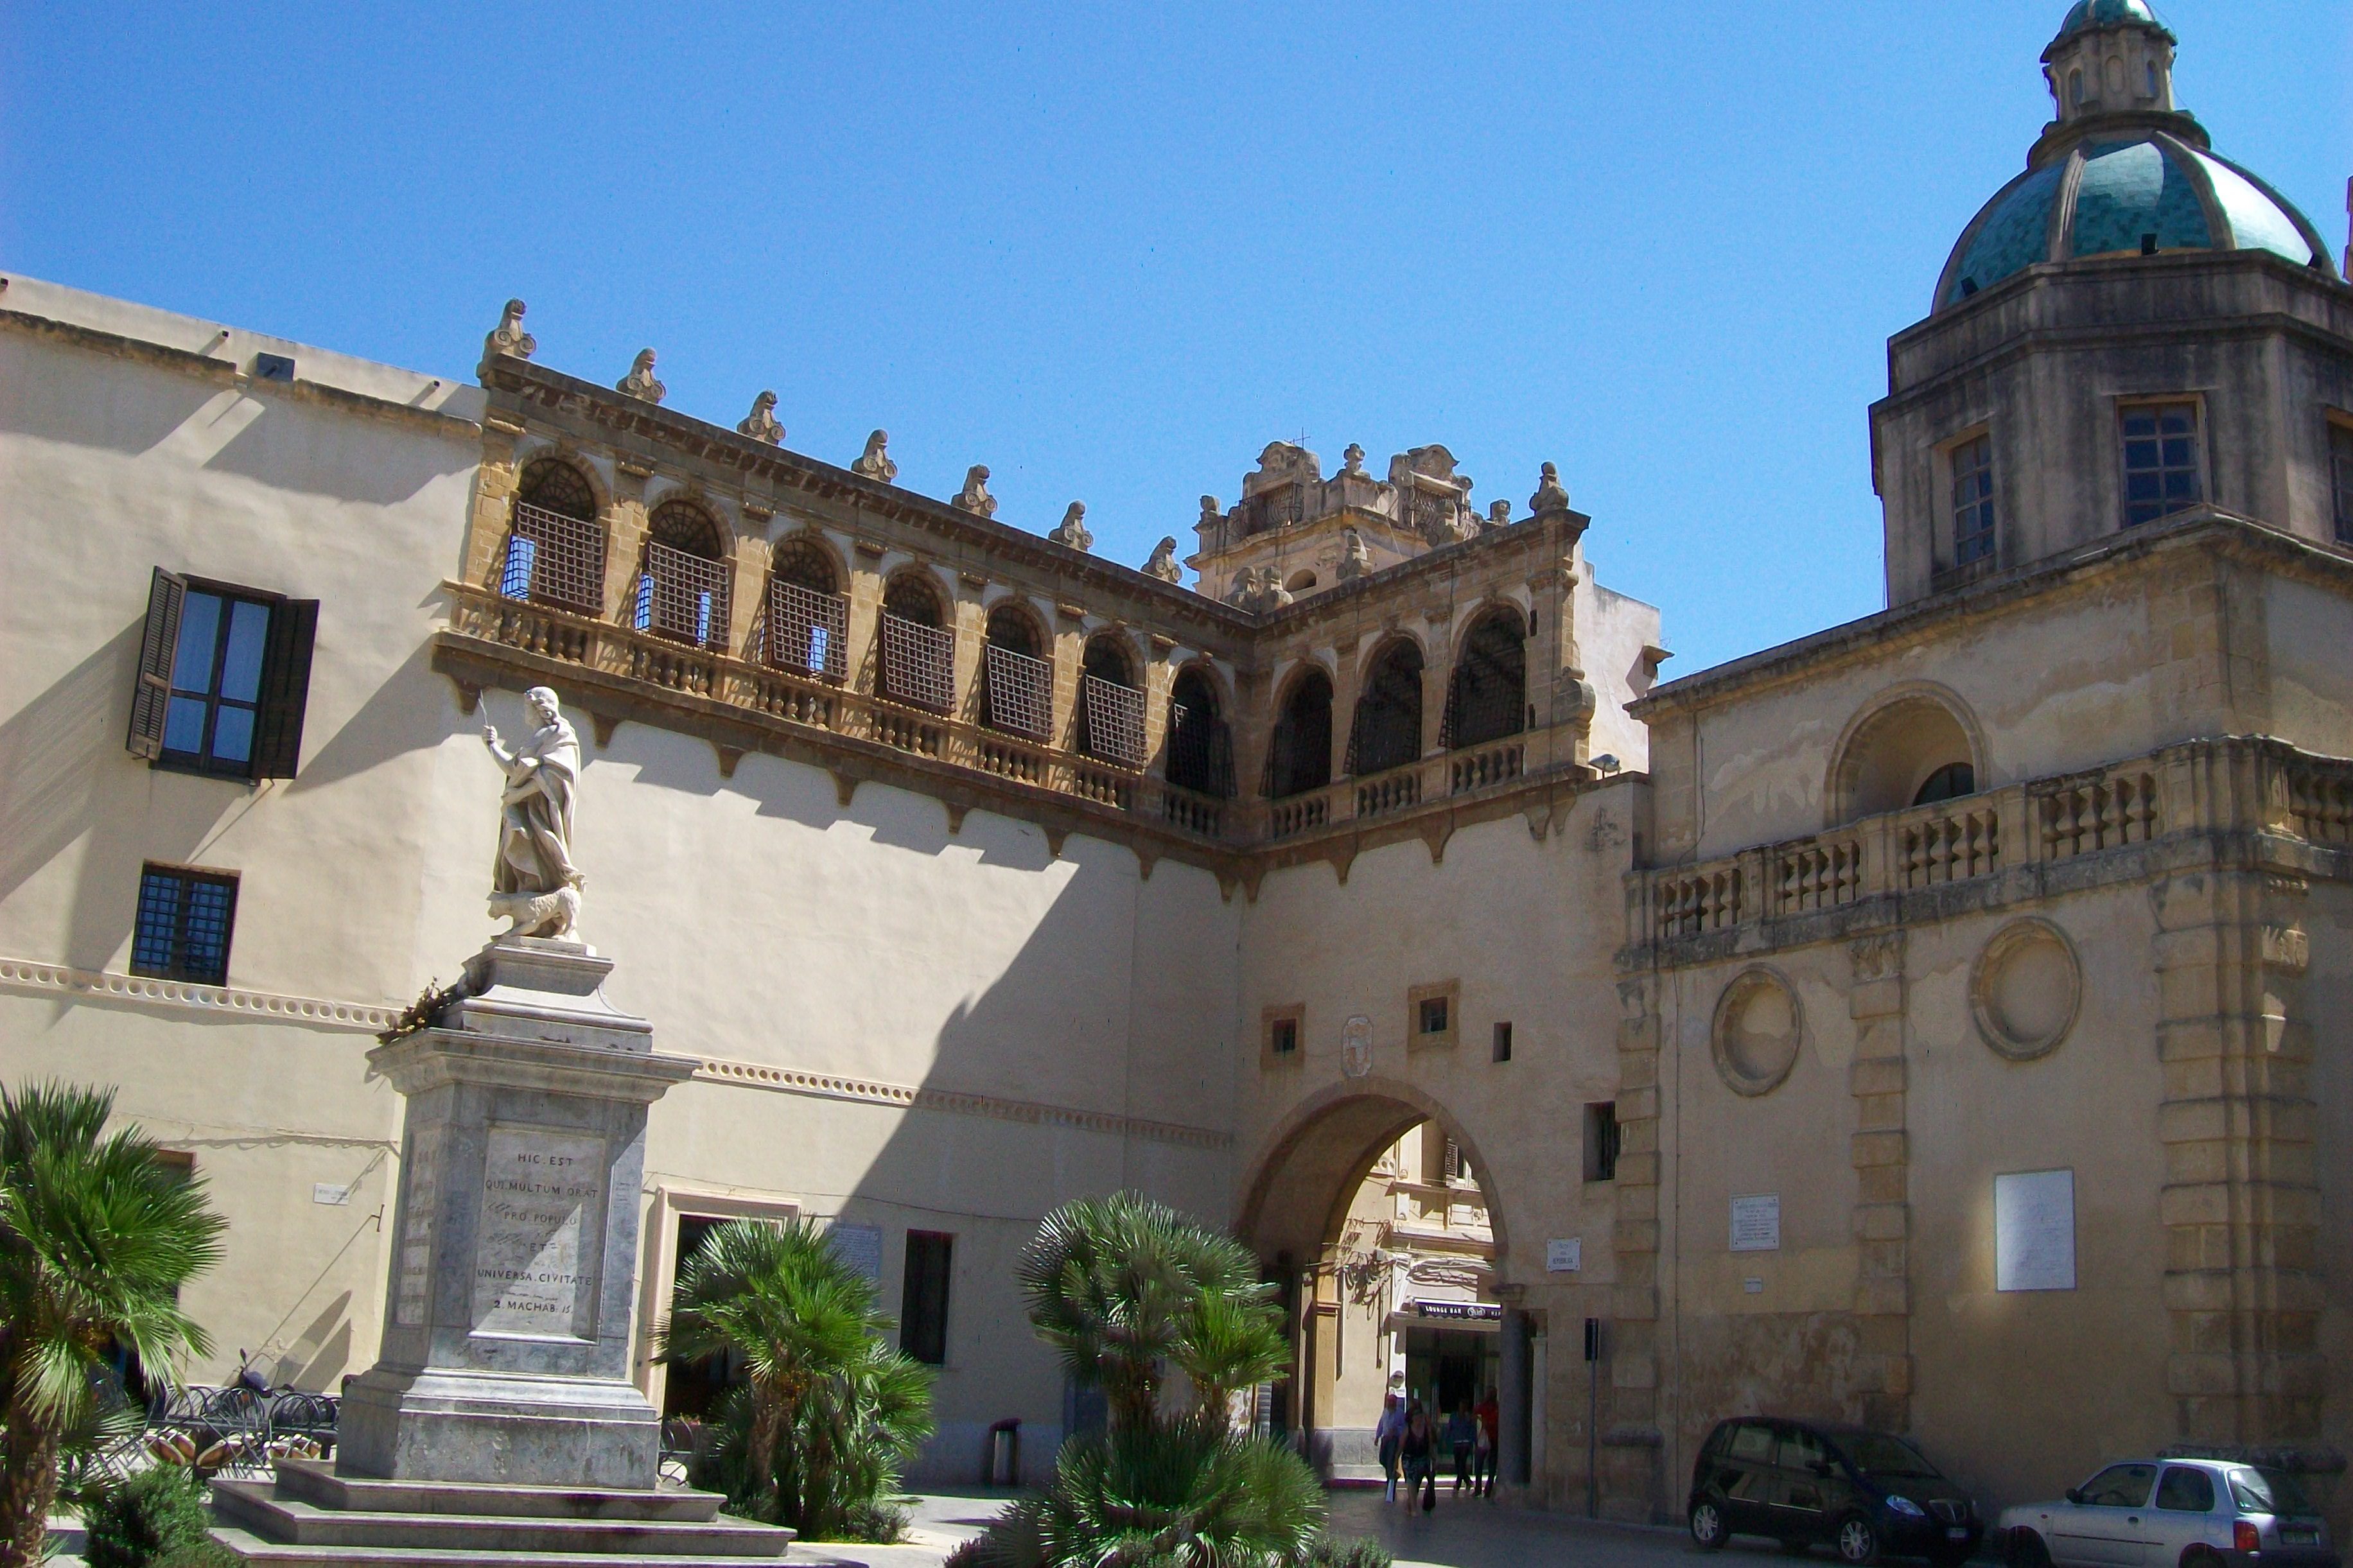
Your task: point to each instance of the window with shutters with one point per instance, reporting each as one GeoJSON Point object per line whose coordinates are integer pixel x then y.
{"type": "Point", "coordinates": [1487, 697]}
{"type": "Point", "coordinates": [924, 1297]}
{"type": "Point", "coordinates": [224, 678]}
{"type": "Point", "coordinates": [182, 928]}
{"type": "Point", "coordinates": [1388, 730]}
{"type": "Point", "coordinates": [1110, 704]}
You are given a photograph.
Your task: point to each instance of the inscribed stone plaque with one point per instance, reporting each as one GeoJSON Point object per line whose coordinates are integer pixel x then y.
{"type": "Point", "coordinates": [859, 1245]}
{"type": "Point", "coordinates": [2035, 1231]}
{"type": "Point", "coordinates": [1756, 1223]}
{"type": "Point", "coordinates": [539, 1187]}
{"type": "Point", "coordinates": [424, 1183]}
{"type": "Point", "coordinates": [1565, 1257]}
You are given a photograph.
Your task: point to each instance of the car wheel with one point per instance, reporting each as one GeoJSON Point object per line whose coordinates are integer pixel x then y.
{"type": "Point", "coordinates": [2027, 1550]}
{"type": "Point", "coordinates": [1857, 1540]}
{"type": "Point", "coordinates": [1707, 1531]}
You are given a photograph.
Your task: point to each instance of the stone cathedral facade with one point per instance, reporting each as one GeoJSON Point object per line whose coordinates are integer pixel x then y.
{"type": "Point", "coordinates": [1939, 1022]}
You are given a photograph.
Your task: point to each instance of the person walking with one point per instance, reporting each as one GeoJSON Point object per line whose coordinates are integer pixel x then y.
{"type": "Point", "coordinates": [1462, 1437]}
{"type": "Point", "coordinates": [1388, 1436]}
{"type": "Point", "coordinates": [1416, 1452]}
{"type": "Point", "coordinates": [1489, 1417]}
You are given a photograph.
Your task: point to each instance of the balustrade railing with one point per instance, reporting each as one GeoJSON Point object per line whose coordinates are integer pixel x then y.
{"type": "Point", "coordinates": [1491, 764]}
{"type": "Point", "coordinates": [1391, 791]}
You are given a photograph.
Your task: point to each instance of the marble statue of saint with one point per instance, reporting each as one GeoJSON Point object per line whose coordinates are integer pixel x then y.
{"type": "Point", "coordinates": [535, 883]}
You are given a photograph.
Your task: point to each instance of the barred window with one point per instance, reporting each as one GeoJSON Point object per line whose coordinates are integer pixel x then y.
{"type": "Point", "coordinates": [555, 547]}
{"type": "Point", "coordinates": [1487, 697]}
{"type": "Point", "coordinates": [1973, 530]}
{"type": "Point", "coordinates": [1017, 683]}
{"type": "Point", "coordinates": [683, 577]}
{"type": "Point", "coordinates": [1387, 729]}
{"type": "Point", "coordinates": [1111, 711]}
{"type": "Point", "coordinates": [2162, 472]}
{"type": "Point", "coordinates": [917, 655]}
{"type": "Point", "coordinates": [2340, 464]}
{"type": "Point", "coordinates": [182, 928]}
{"type": "Point", "coordinates": [807, 621]}
{"type": "Point", "coordinates": [1299, 753]}
{"type": "Point", "coordinates": [1200, 745]}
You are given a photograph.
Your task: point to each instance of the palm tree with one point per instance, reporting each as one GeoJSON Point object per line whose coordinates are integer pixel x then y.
{"type": "Point", "coordinates": [97, 1236]}
{"type": "Point", "coordinates": [805, 1327]}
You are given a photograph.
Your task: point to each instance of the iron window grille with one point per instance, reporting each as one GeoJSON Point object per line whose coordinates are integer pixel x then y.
{"type": "Point", "coordinates": [2162, 472]}
{"type": "Point", "coordinates": [1487, 697]}
{"type": "Point", "coordinates": [1973, 515]}
{"type": "Point", "coordinates": [554, 560]}
{"type": "Point", "coordinates": [924, 1297]}
{"type": "Point", "coordinates": [1200, 752]}
{"type": "Point", "coordinates": [1278, 508]}
{"type": "Point", "coordinates": [182, 928]}
{"type": "Point", "coordinates": [1114, 722]}
{"type": "Point", "coordinates": [806, 631]}
{"type": "Point", "coordinates": [224, 679]}
{"type": "Point", "coordinates": [1387, 732]}
{"type": "Point", "coordinates": [2340, 463]}
{"type": "Point", "coordinates": [682, 596]}
{"type": "Point", "coordinates": [1427, 515]}
{"type": "Point", "coordinates": [918, 664]}
{"type": "Point", "coordinates": [1020, 691]}
{"type": "Point", "coordinates": [1299, 754]}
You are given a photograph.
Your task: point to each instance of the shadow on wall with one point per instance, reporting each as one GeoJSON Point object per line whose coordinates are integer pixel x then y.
{"type": "Point", "coordinates": [406, 713]}
{"type": "Point", "coordinates": [323, 453]}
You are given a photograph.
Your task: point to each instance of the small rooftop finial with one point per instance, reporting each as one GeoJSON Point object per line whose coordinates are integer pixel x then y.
{"type": "Point", "coordinates": [1499, 514]}
{"type": "Point", "coordinates": [974, 497]}
{"type": "Point", "coordinates": [1073, 530]}
{"type": "Point", "coordinates": [875, 462]}
{"type": "Point", "coordinates": [1551, 495]}
{"type": "Point", "coordinates": [507, 337]}
{"type": "Point", "coordinates": [1352, 462]}
{"type": "Point", "coordinates": [1163, 563]}
{"type": "Point", "coordinates": [640, 382]}
{"type": "Point", "coordinates": [761, 423]}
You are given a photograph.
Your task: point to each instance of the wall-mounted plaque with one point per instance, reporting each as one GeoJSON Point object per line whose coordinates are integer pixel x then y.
{"type": "Point", "coordinates": [540, 1188]}
{"type": "Point", "coordinates": [859, 1245]}
{"type": "Point", "coordinates": [1357, 1046]}
{"type": "Point", "coordinates": [2035, 1231]}
{"type": "Point", "coordinates": [1565, 1257]}
{"type": "Point", "coordinates": [1756, 1223]}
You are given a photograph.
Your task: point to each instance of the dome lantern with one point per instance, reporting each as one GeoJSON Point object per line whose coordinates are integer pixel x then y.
{"type": "Point", "coordinates": [2111, 56]}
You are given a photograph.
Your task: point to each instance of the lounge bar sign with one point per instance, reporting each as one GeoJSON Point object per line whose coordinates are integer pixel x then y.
{"type": "Point", "coordinates": [1460, 1311]}
{"type": "Point", "coordinates": [537, 1187]}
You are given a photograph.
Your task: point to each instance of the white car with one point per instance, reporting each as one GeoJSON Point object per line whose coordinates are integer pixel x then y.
{"type": "Point", "coordinates": [2173, 1514]}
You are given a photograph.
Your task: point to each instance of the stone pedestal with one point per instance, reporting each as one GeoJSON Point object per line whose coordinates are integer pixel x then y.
{"type": "Point", "coordinates": [498, 1415]}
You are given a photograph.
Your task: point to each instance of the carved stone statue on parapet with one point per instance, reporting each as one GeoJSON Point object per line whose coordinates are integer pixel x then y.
{"type": "Point", "coordinates": [875, 462]}
{"type": "Point", "coordinates": [507, 337]}
{"type": "Point", "coordinates": [640, 382]}
{"type": "Point", "coordinates": [1499, 515]}
{"type": "Point", "coordinates": [761, 423]}
{"type": "Point", "coordinates": [535, 883]}
{"type": "Point", "coordinates": [1355, 561]}
{"type": "Point", "coordinates": [974, 497]}
{"type": "Point", "coordinates": [1551, 494]}
{"type": "Point", "coordinates": [1073, 530]}
{"type": "Point", "coordinates": [1163, 563]}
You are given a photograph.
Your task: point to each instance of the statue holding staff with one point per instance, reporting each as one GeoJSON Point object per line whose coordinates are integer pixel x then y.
{"type": "Point", "coordinates": [535, 883]}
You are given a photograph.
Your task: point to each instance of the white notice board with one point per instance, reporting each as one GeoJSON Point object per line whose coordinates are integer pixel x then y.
{"type": "Point", "coordinates": [1565, 1257]}
{"type": "Point", "coordinates": [2035, 1231]}
{"type": "Point", "coordinates": [859, 1245]}
{"type": "Point", "coordinates": [1756, 1223]}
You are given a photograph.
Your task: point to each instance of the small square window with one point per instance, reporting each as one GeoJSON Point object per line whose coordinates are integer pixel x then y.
{"type": "Point", "coordinates": [2341, 466]}
{"type": "Point", "coordinates": [1431, 1012]}
{"type": "Point", "coordinates": [182, 932]}
{"type": "Point", "coordinates": [1601, 1140]}
{"type": "Point", "coordinates": [1502, 1041]}
{"type": "Point", "coordinates": [2162, 472]}
{"type": "Point", "coordinates": [1283, 1031]}
{"type": "Point", "coordinates": [1433, 1015]}
{"type": "Point", "coordinates": [1972, 493]}
{"type": "Point", "coordinates": [1284, 1040]}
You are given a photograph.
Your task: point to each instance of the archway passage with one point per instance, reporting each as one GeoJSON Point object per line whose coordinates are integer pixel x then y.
{"type": "Point", "coordinates": [1371, 1213]}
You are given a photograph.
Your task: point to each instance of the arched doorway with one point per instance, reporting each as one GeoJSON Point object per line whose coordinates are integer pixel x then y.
{"type": "Point", "coordinates": [1372, 1212]}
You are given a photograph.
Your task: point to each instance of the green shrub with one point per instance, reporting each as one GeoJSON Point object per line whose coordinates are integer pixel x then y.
{"type": "Point", "coordinates": [157, 1516]}
{"type": "Point", "coordinates": [1356, 1553]}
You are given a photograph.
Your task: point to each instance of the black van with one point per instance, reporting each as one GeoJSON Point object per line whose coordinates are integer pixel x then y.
{"type": "Point", "coordinates": [1804, 1482]}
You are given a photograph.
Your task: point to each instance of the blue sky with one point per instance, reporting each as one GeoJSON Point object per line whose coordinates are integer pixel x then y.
{"type": "Point", "coordinates": [1112, 251]}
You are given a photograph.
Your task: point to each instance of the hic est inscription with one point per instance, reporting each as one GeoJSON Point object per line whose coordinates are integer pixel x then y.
{"type": "Point", "coordinates": [540, 1188]}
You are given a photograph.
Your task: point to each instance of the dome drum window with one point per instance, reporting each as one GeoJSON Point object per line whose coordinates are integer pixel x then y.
{"type": "Point", "coordinates": [1972, 496]}
{"type": "Point", "coordinates": [2162, 471]}
{"type": "Point", "coordinates": [2340, 470]}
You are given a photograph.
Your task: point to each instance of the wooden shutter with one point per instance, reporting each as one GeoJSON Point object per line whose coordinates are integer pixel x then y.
{"type": "Point", "coordinates": [150, 698]}
{"type": "Point", "coordinates": [285, 688]}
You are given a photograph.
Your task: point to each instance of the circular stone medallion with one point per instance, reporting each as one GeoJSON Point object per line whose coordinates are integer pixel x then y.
{"type": "Point", "coordinates": [2026, 989]}
{"type": "Point", "coordinates": [1758, 1029]}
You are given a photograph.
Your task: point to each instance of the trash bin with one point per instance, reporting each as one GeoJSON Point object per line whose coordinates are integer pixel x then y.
{"type": "Point", "coordinates": [1004, 1454]}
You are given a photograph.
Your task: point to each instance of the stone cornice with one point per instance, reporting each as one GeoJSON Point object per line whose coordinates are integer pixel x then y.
{"type": "Point", "coordinates": [1874, 636]}
{"type": "Point", "coordinates": [180, 995]}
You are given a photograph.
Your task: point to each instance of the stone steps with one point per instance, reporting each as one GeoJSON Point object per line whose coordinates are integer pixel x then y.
{"type": "Point", "coordinates": [253, 1549]}
{"type": "Point", "coordinates": [315, 1481]}
{"type": "Point", "coordinates": [294, 1523]}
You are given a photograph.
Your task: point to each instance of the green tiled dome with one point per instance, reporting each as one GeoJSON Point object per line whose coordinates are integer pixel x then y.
{"type": "Point", "coordinates": [2144, 193]}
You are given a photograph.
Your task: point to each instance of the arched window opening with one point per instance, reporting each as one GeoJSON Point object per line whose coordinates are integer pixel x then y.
{"type": "Point", "coordinates": [1200, 747]}
{"type": "Point", "coordinates": [917, 664]}
{"type": "Point", "coordinates": [1300, 582]}
{"type": "Point", "coordinates": [808, 624]}
{"type": "Point", "coordinates": [1487, 699]}
{"type": "Point", "coordinates": [683, 579]}
{"type": "Point", "coordinates": [1299, 757]}
{"type": "Point", "coordinates": [1110, 705]}
{"type": "Point", "coordinates": [1388, 730]}
{"type": "Point", "coordinates": [1950, 781]}
{"type": "Point", "coordinates": [1910, 752]}
{"type": "Point", "coordinates": [1016, 683]}
{"type": "Point", "coordinates": [555, 547]}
